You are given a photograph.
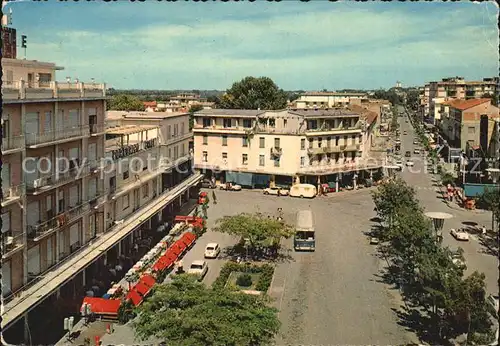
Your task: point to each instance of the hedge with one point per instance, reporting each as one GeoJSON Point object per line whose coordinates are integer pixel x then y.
{"type": "Point", "coordinates": [265, 278]}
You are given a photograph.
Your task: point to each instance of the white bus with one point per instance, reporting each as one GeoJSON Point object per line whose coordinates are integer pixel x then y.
{"type": "Point", "coordinates": [305, 237]}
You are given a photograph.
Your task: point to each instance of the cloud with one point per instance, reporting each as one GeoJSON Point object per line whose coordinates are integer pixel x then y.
{"type": "Point", "coordinates": [327, 46]}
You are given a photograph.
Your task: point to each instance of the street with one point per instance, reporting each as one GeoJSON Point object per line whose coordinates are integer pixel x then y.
{"type": "Point", "coordinates": [476, 255]}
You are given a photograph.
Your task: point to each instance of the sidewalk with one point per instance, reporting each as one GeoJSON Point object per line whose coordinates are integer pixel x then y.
{"type": "Point", "coordinates": [453, 204]}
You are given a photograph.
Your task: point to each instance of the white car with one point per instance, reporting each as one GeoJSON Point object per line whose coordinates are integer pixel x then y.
{"type": "Point", "coordinates": [374, 241]}
{"type": "Point", "coordinates": [199, 268]}
{"type": "Point", "coordinates": [458, 261]}
{"type": "Point", "coordinates": [409, 163]}
{"type": "Point", "coordinates": [459, 234]}
{"type": "Point", "coordinates": [275, 190]}
{"type": "Point", "coordinates": [230, 187]}
{"type": "Point", "coordinates": [415, 142]}
{"type": "Point", "coordinates": [212, 250]}
{"type": "Point", "coordinates": [416, 151]}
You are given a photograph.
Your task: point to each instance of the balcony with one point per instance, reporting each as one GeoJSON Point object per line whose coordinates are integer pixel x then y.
{"type": "Point", "coordinates": [15, 91]}
{"type": "Point", "coordinates": [276, 152]}
{"type": "Point", "coordinates": [333, 149]}
{"type": "Point", "coordinates": [47, 182]}
{"type": "Point", "coordinates": [12, 144]}
{"type": "Point", "coordinates": [333, 167]}
{"type": "Point", "coordinates": [37, 140]}
{"type": "Point", "coordinates": [98, 200]}
{"type": "Point", "coordinates": [333, 130]}
{"type": "Point", "coordinates": [11, 244]}
{"type": "Point", "coordinates": [221, 129]}
{"type": "Point", "coordinates": [44, 229]}
{"type": "Point", "coordinates": [12, 194]}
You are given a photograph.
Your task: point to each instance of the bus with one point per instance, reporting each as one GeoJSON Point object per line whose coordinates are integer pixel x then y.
{"type": "Point", "coordinates": [304, 238]}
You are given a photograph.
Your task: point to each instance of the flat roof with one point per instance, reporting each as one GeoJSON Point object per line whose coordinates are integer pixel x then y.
{"type": "Point", "coordinates": [130, 129]}
{"type": "Point", "coordinates": [142, 115]}
{"type": "Point", "coordinates": [231, 112]}
{"type": "Point", "coordinates": [334, 112]}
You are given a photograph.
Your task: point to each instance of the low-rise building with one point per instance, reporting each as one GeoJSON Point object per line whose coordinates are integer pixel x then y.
{"type": "Point", "coordinates": [254, 148]}
{"type": "Point", "coordinates": [320, 99]}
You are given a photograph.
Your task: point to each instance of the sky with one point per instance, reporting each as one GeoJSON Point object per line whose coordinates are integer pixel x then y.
{"type": "Point", "coordinates": [300, 45]}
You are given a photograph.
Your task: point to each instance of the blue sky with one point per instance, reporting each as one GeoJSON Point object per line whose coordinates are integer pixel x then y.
{"type": "Point", "coordinates": [309, 46]}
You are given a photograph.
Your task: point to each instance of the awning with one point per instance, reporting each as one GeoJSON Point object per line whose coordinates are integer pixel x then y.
{"type": "Point", "coordinates": [188, 238]}
{"type": "Point", "coordinates": [134, 297]}
{"type": "Point", "coordinates": [129, 129]}
{"type": "Point", "coordinates": [101, 306]}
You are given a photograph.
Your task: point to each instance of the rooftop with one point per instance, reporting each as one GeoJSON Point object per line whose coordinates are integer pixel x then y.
{"type": "Point", "coordinates": [231, 112]}
{"type": "Point", "coordinates": [465, 104]}
{"type": "Point", "coordinates": [115, 115]}
{"type": "Point", "coordinates": [31, 63]}
{"type": "Point", "coordinates": [332, 93]}
{"type": "Point", "coordinates": [331, 112]}
{"type": "Point", "coordinates": [129, 129]}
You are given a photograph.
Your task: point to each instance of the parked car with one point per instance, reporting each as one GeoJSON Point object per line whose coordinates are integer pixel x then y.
{"type": "Point", "coordinates": [458, 260]}
{"type": "Point", "coordinates": [374, 241]}
{"type": "Point", "coordinates": [208, 184]}
{"type": "Point", "coordinates": [277, 191]}
{"type": "Point", "coordinates": [408, 154]}
{"type": "Point", "coordinates": [230, 187]}
{"type": "Point", "coordinates": [303, 190]}
{"type": "Point", "coordinates": [409, 163]}
{"type": "Point", "coordinates": [405, 133]}
{"type": "Point", "coordinates": [416, 151]}
{"type": "Point", "coordinates": [399, 163]}
{"type": "Point", "coordinates": [460, 234]}
{"type": "Point", "coordinates": [199, 268]}
{"type": "Point", "coordinates": [212, 250]}
{"type": "Point", "coordinates": [415, 142]}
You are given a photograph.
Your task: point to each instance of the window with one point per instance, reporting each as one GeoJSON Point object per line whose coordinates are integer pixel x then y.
{"type": "Point", "coordinates": [328, 140]}
{"type": "Point", "coordinates": [336, 141]}
{"type": "Point", "coordinates": [145, 190]}
{"type": "Point", "coordinates": [244, 159]}
{"type": "Point", "coordinates": [471, 130]}
{"type": "Point", "coordinates": [224, 141]}
{"type": "Point", "coordinates": [169, 131]}
{"type": "Point", "coordinates": [285, 122]}
{"type": "Point", "coordinates": [303, 144]}
{"type": "Point", "coordinates": [182, 129]}
{"type": "Point", "coordinates": [205, 156]}
{"type": "Point", "coordinates": [247, 123]}
{"type": "Point", "coordinates": [320, 142]}
{"type": "Point", "coordinates": [302, 161]}
{"type": "Point", "coordinates": [205, 139]}
{"type": "Point", "coordinates": [226, 123]}
{"type": "Point", "coordinates": [6, 222]}
{"type": "Point", "coordinates": [206, 122]}
{"type": "Point", "coordinates": [262, 142]}
{"type": "Point", "coordinates": [244, 141]}
{"type": "Point", "coordinates": [310, 143]}
{"type": "Point", "coordinates": [276, 142]}
{"type": "Point", "coordinates": [125, 202]}
{"type": "Point", "coordinates": [272, 122]}
{"type": "Point", "coordinates": [261, 160]}
{"type": "Point", "coordinates": [176, 130]}
{"type": "Point", "coordinates": [125, 172]}
{"type": "Point", "coordinates": [224, 156]}
{"type": "Point", "coordinates": [276, 163]}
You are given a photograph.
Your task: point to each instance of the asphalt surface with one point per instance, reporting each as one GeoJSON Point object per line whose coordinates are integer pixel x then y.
{"type": "Point", "coordinates": [477, 256]}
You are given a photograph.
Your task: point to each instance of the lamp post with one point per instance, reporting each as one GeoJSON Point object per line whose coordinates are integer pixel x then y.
{"type": "Point", "coordinates": [438, 219]}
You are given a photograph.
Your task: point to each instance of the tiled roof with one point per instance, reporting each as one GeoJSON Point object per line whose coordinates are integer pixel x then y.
{"type": "Point", "coordinates": [370, 116]}
{"type": "Point", "coordinates": [465, 104]}
{"type": "Point", "coordinates": [149, 103]}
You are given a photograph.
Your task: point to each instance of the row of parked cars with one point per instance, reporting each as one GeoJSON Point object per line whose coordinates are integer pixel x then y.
{"type": "Point", "coordinates": [298, 190]}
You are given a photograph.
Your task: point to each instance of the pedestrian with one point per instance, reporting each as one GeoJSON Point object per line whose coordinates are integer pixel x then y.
{"type": "Point", "coordinates": [484, 230]}
{"type": "Point", "coordinates": [214, 198]}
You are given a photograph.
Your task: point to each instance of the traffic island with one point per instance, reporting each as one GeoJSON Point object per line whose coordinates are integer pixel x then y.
{"type": "Point", "coordinates": [245, 277]}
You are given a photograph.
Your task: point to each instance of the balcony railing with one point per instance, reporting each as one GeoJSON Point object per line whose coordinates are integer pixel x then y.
{"type": "Point", "coordinates": [58, 178]}
{"type": "Point", "coordinates": [334, 149]}
{"type": "Point", "coordinates": [20, 90]}
{"type": "Point", "coordinates": [276, 151]}
{"type": "Point", "coordinates": [52, 136]}
{"type": "Point", "coordinates": [62, 219]}
{"type": "Point", "coordinates": [11, 243]}
{"type": "Point", "coordinates": [12, 143]}
{"type": "Point", "coordinates": [13, 192]}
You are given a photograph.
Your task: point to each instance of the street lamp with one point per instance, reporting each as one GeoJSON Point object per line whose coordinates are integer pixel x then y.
{"type": "Point", "coordinates": [438, 221]}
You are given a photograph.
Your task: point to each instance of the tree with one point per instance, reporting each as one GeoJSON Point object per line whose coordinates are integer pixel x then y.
{"type": "Point", "coordinates": [186, 312]}
{"type": "Point", "coordinates": [123, 102]}
{"type": "Point", "coordinates": [193, 109]}
{"type": "Point", "coordinates": [253, 93]}
{"type": "Point", "coordinates": [493, 97]}
{"type": "Point", "coordinates": [257, 228]}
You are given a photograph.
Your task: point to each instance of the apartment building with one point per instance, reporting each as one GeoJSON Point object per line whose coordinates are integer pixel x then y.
{"type": "Point", "coordinates": [469, 125]}
{"type": "Point", "coordinates": [255, 148]}
{"type": "Point", "coordinates": [72, 199]}
{"type": "Point", "coordinates": [436, 93]}
{"type": "Point", "coordinates": [317, 99]}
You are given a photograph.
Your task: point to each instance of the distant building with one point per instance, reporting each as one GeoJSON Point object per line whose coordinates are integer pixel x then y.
{"type": "Point", "coordinates": [321, 100]}
{"type": "Point", "coordinates": [398, 84]}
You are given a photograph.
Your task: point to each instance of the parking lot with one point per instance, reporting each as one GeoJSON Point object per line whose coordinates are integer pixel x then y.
{"type": "Point", "coordinates": [331, 296]}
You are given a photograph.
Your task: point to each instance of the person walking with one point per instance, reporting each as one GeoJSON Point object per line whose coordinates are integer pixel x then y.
{"type": "Point", "coordinates": [484, 230]}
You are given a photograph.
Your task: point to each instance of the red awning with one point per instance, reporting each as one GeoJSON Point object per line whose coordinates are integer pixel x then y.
{"type": "Point", "coordinates": [180, 245]}
{"type": "Point", "coordinates": [188, 238]}
{"type": "Point", "coordinates": [148, 280]}
{"type": "Point", "coordinates": [101, 306]}
{"type": "Point", "coordinates": [142, 289]}
{"type": "Point", "coordinates": [134, 297]}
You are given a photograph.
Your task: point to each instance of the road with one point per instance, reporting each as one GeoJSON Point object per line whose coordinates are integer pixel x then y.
{"type": "Point", "coordinates": [476, 255]}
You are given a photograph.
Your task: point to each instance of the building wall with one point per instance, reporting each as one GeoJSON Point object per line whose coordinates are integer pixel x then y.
{"type": "Point", "coordinates": [12, 113]}
{"type": "Point", "coordinates": [21, 68]}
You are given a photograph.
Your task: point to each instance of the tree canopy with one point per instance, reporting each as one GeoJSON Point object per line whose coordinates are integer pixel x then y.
{"type": "Point", "coordinates": [186, 312]}
{"type": "Point", "coordinates": [431, 277]}
{"type": "Point", "coordinates": [258, 228]}
{"type": "Point", "coordinates": [389, 95]}
{"type": "Point", "coordinates": [253, 93]}
{"type": "Point", "coordinates": [123, 102]}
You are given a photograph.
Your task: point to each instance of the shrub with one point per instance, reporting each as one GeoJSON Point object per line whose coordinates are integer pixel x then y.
{"type": "Point", "coordinates": [244, 280]}
{"type": "Point", "coordinates": [265, 278]}
{"type": "Point", "coordinates": [226, 270]}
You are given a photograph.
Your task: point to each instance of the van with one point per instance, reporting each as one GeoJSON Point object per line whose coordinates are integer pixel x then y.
{"type": "Point", "coordinates": [303, 190]}
{"type": "Point", "coordinates": [305, 237]}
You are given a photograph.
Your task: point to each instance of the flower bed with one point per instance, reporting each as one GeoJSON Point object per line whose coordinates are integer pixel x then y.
{"type": "Point", "coordinates": [263, 274]}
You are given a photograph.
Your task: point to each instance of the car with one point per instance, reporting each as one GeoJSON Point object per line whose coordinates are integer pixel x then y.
{"type": "Point", "coordinates": [416, 151]}
{"type": "Point", "coordinates": [278, 191]}
{"type": "Point", "coordinates": [212, 250]}
{"type": "Point", "coordinates": [408, 154]}
{"type": "Point", "coordinates": [230, 187]}
{"type": "Point", "coordinates": [198, 268]}
{"type": "Point", "coordinates": [207, 183]}
{"type": "Point", "coordinates": [458, 260]}
{"type": "Point", "coordinates": [459, 234]}
{"type": "Point", "coordinates": [405, 133]}
{"type": "Point", "coordinates": [415, 142]}
{"type": "Point", "coordinates": [374, 241]}
{"type": "Point", "coordinates": [409, 163]}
